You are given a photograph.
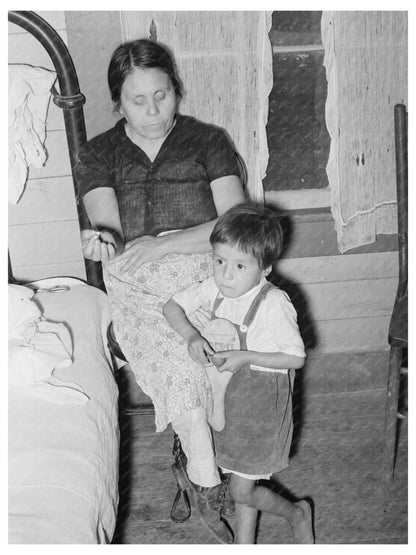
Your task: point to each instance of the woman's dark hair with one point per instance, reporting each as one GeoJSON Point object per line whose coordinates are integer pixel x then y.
{"type": "Point", "coordinates": [251, 228]}
{"type": "Point", "coordinates": [141, 53]}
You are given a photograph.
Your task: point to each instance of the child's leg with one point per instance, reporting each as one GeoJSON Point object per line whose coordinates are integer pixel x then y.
{"type": "Point", "coordinates": [246, 517]}
{"type": "Point", "coordinates": [299, 515]}
{"type": "Point", "coordinates": [246, 524]}
{"type": "Point", "coordinates": [195, 435]}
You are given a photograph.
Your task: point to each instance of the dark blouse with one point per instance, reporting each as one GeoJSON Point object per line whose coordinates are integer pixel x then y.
{"type": "Point", "coordinates": [174, 191]}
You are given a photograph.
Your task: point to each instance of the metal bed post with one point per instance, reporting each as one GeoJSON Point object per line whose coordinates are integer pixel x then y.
{"type": "Point", "coordinates": [70, 100]}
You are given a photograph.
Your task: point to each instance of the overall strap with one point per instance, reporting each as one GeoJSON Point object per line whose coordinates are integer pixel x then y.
{"type": "Point", "coordinates": [252, 311]}
{"type": "Point", "coordinates": [216, 304]}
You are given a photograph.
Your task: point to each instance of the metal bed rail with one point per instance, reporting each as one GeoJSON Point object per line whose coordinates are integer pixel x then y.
{"type": "Point", "coordinates": [70, 100]}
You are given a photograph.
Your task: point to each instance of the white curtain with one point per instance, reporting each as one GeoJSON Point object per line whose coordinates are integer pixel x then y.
{"type": "Point", "coordinates": [366, 65]}
{"type": "Point", "coordinates": [224, 60]}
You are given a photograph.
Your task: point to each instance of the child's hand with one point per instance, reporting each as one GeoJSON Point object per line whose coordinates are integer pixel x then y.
{"type": "Point", "coordinates": [233, 360]}
{"type": "Point", "coordinates": [199, 349]}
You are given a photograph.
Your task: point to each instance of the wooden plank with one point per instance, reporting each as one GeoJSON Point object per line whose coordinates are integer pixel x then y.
{"type": "Point", "coordinates": [298, 199]}
{"type": "Point", "coordinates": [55, 117]}
{"type": "Point", "coordinates": [45, 243]}
{"type": "Point", "coordinates": [343, 299]}
{"type": "Point", "coordinates": [347, 336]}
{"type": "Point", "coordinates": [31, 273]}
{"type": "Point", "coordinates": [55, 18]}
{"type": "Point", "coordinates": [36, 54]}
{"type": "Point", "coordinates": [319, 238]}
{"type": "Point", "coordinates": [340, 372]}
{"type": "Point", "coordinates": [45, 200]}
{"type": "Point", "coordinates": [57, 163]}
{"type": "Point", "coordinates": [163, 532]}
{"type": "Point", "coordinates": [339, 405]}
{"type": "Point", "coordinates": [324, 269]}
{"type": "Point", "coordinates": [26, 49]}
{"type": "Point", "coordinates": [91, 53]}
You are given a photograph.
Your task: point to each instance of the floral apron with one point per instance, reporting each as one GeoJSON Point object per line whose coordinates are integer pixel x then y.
{"type": "Point", "coordinates": [158, 355]}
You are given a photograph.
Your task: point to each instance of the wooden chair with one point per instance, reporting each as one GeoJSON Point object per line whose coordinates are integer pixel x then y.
{"type": "Point", "coordinates": [397, 335]}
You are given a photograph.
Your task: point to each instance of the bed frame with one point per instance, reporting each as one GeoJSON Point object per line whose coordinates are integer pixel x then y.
{"type": "Point", "coordinates": [70, 100]}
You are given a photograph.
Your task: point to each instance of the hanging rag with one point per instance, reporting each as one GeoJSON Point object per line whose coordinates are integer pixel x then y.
{"type": "Point", "coordinates": [29, 96]}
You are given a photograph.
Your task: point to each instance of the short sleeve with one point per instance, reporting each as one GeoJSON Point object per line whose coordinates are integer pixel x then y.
{"type": "Point", "coordinates": [221, 159]}
{"type": "Point", "coordinates": [282, 318]}
{"type": "Point", "coordinates": [196, 295]}
{"type": "Point", "coordinates": [93, 168]}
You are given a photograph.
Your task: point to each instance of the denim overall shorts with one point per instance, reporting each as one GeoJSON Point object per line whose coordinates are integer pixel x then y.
{"type": "Point", "coordinates": [258, 411]}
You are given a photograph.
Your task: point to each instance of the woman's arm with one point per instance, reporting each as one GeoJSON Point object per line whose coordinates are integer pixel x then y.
{"type": "Point", "coordinates": [227, 191]}
{"type": "Point", "coordinates": [102, 210]}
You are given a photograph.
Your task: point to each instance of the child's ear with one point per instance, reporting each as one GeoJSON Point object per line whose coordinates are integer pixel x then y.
{"type": "Point", "coordinates": [267, 271]}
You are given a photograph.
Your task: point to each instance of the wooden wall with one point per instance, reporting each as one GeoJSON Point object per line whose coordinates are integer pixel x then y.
{"type": "Point", "coordinates": [43, 226]}
{"type": "Point", "coordinates": [91, 52]}
{"type": "Point", "coordinates": [344, 302]}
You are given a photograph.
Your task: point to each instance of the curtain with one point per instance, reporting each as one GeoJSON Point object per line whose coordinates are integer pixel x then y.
{"type": "Point", "coordinates": [366, 65]}
{"type": "Point", "coordinates": [224, 61]}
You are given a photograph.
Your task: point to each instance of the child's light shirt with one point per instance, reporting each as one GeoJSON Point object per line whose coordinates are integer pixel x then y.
{"type": "Point", "coordinates": [274, 328]}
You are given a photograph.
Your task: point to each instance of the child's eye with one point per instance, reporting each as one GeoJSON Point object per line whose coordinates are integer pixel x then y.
{"type": "Point", "coordinates": [139, 101]}
{"type": "Point", "coordinates": [240, 266]}
{"type": "Point", "coordinates": [218, 261]}
{"type": "Point", "coordinates": [160, 95]}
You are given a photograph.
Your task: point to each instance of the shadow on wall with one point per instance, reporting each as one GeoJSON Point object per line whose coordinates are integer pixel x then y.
{"type": "Point", "coordinates": [306, 327]}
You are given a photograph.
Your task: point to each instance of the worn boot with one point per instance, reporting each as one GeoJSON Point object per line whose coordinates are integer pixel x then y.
{"type": "Point", "coordinates": [206, 501]}
{"type": "Point", "coordinates": [227, 506]}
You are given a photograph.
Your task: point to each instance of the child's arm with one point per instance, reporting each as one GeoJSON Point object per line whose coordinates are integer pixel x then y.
{"type": "Point", "coordinates": [198, 347]}
{"type": "Point", "coordinates": [234, 360]}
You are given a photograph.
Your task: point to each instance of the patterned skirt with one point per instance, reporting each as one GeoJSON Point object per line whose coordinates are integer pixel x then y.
{"type": "Point", "coordinates": [157, 355]}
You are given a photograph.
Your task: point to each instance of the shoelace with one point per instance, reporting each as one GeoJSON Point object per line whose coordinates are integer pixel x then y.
{"type": "Point", "coordinates": [224, 490]}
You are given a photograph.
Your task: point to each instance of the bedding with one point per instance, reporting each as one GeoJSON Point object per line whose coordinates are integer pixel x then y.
{"type": "Point", "coordinates": [63, 416]}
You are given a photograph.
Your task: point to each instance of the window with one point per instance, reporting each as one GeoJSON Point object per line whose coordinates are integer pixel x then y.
{"type": "Point", "coordinates": [297, 136]}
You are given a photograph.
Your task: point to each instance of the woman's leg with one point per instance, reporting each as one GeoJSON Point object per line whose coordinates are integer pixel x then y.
{"type": "Point", "coordinates": [195, 435]}
{"type": "Point", "coordinates": [299, 515]}
{"type": "Point", "coordinates": [201, 476]}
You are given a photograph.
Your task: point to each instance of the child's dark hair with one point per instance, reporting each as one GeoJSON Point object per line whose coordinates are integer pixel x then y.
{"type": "Point", "coordinates": [251, 228]}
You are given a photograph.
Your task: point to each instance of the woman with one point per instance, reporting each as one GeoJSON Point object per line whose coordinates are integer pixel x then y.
{"type": "Point", "coordinates": [153, 187]}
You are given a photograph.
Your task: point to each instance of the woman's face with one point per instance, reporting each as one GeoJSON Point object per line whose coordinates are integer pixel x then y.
{"type": "Point", "coordinates": [148, 102]}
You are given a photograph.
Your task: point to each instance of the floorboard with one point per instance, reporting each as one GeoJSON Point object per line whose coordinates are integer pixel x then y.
{"type": "Point", "coordinates": [335, 461]}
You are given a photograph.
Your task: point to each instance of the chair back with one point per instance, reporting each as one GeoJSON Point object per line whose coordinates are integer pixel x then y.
{"type": "Point", "coordinates": [400, 131]}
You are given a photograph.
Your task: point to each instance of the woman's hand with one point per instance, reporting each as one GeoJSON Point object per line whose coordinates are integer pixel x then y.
{"type": "Point", "coordinates": [98, 245]}
{"type": "Point", "coordinates": [143, 249]}
{"type": "Point", "coordinates": [234, 360]}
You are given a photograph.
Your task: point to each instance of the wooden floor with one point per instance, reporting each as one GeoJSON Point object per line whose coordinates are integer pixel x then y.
{"type": "Point", "coordinates": [336, 462]}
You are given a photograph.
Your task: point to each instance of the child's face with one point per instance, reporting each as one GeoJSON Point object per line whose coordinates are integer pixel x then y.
{"type": "Point", "coordinates": [235, 271]}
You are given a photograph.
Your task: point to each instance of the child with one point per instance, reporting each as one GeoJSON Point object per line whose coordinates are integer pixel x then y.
{"type": "Point", "coordinates": [255, 441]}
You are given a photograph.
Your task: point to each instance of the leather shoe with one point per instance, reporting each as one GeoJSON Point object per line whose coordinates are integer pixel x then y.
{"type": "Point", "coordinates": [227, 506]}
{"type": "Point", "coordinates": [206, 501]}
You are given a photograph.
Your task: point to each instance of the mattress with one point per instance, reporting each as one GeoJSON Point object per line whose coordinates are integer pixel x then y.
{"type": "Point", "coordinates": [64, 442]}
